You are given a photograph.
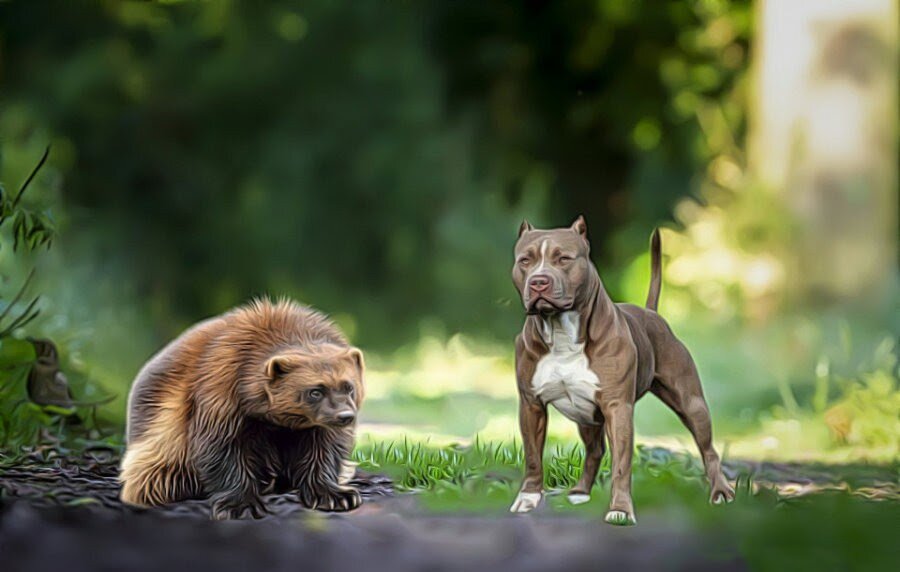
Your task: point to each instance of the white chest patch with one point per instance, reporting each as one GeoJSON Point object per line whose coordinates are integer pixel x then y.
{"type": "Point", "coordinates": [562, 377]}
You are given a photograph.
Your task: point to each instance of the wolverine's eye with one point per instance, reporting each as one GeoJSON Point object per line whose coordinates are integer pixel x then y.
{"type": "Point", "coordinates": [315, 394]}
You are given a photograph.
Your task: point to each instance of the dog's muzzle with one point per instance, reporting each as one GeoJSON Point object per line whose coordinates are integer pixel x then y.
{"type": "Point", "coordinates": [544, 296]}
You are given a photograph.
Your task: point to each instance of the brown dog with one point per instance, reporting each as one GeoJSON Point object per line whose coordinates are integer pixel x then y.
{"type": "Point", "coordinates": [592, 359]}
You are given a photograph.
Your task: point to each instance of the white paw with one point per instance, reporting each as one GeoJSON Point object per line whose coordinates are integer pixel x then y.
{"type": "Point", "coordinates": [620, 518]}
{"type": "Point", "coordinates": [578, 498]}
{"type": "Point", "coordinates": [722, 498]}
{"type": "Point", "coordinates": [526, 502]}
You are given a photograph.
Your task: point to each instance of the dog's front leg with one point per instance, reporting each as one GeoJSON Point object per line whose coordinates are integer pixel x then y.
{"type": "Point", "coordinates": [620, 423]}
{"type": "Point", "coordinates": [533, 425]}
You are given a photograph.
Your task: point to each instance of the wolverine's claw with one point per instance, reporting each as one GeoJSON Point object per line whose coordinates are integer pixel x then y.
{"type": "Point", "coordinates": [230, 507]}
{"type": "Point", "coordinates": [257, 512]}
{"type": "Point", "coordinates": [334, 500]}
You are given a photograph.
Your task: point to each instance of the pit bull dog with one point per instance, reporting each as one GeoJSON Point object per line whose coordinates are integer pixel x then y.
{"type": "Point", "coordinates": [592, 359]}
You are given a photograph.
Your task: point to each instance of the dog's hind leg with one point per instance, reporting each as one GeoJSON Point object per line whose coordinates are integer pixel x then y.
{"type": "Point", "coordinates": [679, 388]}
{"type": "Point", "coordinates": [594, 449]}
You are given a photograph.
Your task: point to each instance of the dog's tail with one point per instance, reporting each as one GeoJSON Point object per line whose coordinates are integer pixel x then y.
{"type": "Point", "coordinates": [655, 271]}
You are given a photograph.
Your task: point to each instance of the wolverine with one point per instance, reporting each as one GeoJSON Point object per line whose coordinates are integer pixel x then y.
{"type": "Point", "coordinates": [262, 399]}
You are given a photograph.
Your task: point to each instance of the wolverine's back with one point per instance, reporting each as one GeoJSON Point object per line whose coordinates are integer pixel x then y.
{"type": "Point", "coordinates": [223, 342]}
{"type": "Point", "coordinates": [167, 375]}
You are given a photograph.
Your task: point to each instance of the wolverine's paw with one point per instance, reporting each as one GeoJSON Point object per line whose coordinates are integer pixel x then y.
{"type": "Point", "coordinates": [526, 502]}
{"type": "Point", "coordinates": [620, 518]}
{"type": "Point", "coordinates": [228, 507]}
{"type": "Point", "coordinates": [339, 499]}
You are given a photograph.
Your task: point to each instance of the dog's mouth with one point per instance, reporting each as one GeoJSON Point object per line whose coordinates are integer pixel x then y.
{"type": "Point", "coordinates": [545, 306]}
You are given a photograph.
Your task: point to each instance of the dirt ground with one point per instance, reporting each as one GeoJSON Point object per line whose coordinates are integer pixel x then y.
{"type": "Point", "coordinates": [59, 513]}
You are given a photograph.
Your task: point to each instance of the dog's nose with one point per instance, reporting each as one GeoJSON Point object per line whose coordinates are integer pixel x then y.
{"type": "Point", "coordinates": [345, 417]}
{"type": "Point", "coordinates": [539, 283]}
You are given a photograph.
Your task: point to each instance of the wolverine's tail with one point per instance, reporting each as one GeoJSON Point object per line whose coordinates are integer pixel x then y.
{"type": "Point", "coordinates": [655, 271]}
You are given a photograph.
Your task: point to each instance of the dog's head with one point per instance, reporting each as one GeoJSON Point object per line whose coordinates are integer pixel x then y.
{"type": "Point", "coordinates": [552, 269]}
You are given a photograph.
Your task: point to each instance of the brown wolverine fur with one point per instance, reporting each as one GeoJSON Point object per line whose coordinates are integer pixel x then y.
{"type": "Point", "coordinates": [260, 399]}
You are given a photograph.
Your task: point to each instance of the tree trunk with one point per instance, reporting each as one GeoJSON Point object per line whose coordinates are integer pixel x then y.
{"type": "Point", "coordinates": [824, 134]}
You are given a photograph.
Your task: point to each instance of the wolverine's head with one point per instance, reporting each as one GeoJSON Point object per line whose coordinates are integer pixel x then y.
{"type": "Point", "coordinates": [322, 388]}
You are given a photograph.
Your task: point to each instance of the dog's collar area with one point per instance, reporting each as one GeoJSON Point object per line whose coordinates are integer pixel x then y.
{"type": "Point", "coordinates": [560, 331]}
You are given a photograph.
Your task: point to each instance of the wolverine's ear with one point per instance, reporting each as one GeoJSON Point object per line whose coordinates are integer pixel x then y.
{"type": "Point", "coordinates": [525, 227]}
{"type": "Point", "coordinates": [579, 226]}
{"type": "Point", "coordinates": [279, 365]}
{"type": "Point", "coordinates": [357, 356]}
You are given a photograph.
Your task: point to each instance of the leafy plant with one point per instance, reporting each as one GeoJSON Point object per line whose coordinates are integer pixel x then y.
{"type": "Point", "coordinates": [31, 229]}
{"type": "Point", "coordinates": [846, 417]}
{"type": "Point", "coordinates": [867, 412]}
{"type": "Point", "coordinates": [21, 419]}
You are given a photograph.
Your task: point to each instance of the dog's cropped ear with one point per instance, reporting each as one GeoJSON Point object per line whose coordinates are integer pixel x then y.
{"type": "Point", "coordinates": [525, 227]}
{"type": "Point", "coordinates": [579, 226]}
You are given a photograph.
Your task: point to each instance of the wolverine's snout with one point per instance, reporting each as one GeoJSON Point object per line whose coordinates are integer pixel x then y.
{"type": "Point", "coordinates": [345, 418]}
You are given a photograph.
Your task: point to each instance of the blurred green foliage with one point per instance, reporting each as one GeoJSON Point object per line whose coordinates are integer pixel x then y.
{"type": "Point", "coordinates": [371, 158]}
{"type": "Point", "coordinates": [29, 229]}
{"type": "Point", "coordinates": [20, 420]}
{"type": "Point", "coordinates": [374, 159]}
{"type": "Point", "coordinates": [843, 414]}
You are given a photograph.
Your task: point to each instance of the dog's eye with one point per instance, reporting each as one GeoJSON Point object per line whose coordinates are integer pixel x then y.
{"type": "Point", "coordinates": [565, 259]}
{"type": "Point", "coordinates": [315, 394]}
{"type": "Point", "coordinates": [524, 261]}
{"type": "Point", "coordinates": [347, 387]}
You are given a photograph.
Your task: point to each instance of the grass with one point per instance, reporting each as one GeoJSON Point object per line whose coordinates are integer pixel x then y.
{"type": "Point", "coordinates": [489, 466]}
{"type": "Point", "coordinates": [485, 475]}
{"type": "Point", "coordinates": [821, 529]}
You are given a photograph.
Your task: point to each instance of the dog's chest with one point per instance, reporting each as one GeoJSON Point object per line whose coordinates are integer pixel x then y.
{"type": "Point", "coordinates": [563, 377]}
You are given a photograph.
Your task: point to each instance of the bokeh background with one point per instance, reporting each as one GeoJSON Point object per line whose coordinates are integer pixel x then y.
{"type": "Point", "coordinates": [374, 160]}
